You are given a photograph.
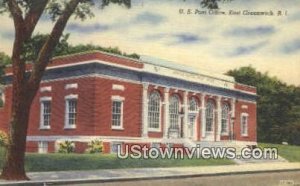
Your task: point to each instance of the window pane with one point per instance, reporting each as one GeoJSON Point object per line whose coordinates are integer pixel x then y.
{"type": "Point", "coordinates": [154, 110]}
{"type": "Point", "coordinates": [209, 116]}
{"type": "Point", "coordinates": [46, 112]}
{"type": "Point", "coordinates": [244, 125]}
{"type": "Point", "coordinates": [193, 104]}
{"type": "Point", "coordinates": [116, 113]}
{"type": "Point", "coordinates": [225, 118]}
{"type": "Point", "coordinates": [174, 112]}
{"type": "Point", "coordinates": [72, 111]}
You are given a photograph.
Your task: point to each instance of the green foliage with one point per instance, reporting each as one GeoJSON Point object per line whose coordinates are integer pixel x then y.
{"type": "Point", "coordinates": [278, 110]}
{"type": "Point", "coordinates": [4, 61]}
{"type": "Point", "coordinates": [89, 47]}
{"type": "Point", "coordinates": [66, 147]}
{"type": "Point", "coordinates": [3, 138]}
{"type": "Point", "coordinates": [55, 8]}
{"type": "Point", "coordinates": [95, 146]}
{"type": "Point", "coordinates": [32, 48]}
{"type": "Point", "coordinates": [126, 3]}
{"type": "Point", "coordinates": [289, 152]}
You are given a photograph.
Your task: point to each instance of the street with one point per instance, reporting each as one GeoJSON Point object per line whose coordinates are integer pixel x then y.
{"type": "Point", "coordinates": [265, 179]}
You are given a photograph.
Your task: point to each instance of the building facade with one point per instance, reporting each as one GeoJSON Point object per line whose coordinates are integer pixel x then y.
{"type": "Point", "coordinates": [96, 95]}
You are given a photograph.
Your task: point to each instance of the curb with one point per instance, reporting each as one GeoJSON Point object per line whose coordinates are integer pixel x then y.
{"type": "Point", "coordinates": [123, 179]}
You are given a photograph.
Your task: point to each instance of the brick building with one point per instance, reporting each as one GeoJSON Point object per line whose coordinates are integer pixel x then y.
{"type": "Point", "coordinates": [96, 95]}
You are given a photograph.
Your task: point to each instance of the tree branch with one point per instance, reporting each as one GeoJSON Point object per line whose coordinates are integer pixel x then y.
{"type": "Point", "coordinates": [16, 13]}
{"type": "Point", "coordinates": [32, 17]}
{"type": "Point", "coordinates": [53, 39]}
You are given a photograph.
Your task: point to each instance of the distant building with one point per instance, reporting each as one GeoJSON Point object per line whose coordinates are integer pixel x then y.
{"type": "Point", "coordinates": [96, 95]}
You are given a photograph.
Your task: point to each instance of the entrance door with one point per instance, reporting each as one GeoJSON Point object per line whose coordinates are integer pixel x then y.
{"type": "Point", "coordinates": [191, 126]}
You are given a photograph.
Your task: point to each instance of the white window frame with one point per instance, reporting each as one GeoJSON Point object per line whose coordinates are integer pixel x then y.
{"type": "Point", "coordinates": [121, 100]}
{"type": "Point", "coordinates": [46, 89]}
{"type": "Point", "coordinates": [43, 147]}
{"type": "Point", "coordinates": [244, 133]}
{"type": "Point", "coordinates": [42, 121]}
{"type": "Point", "coordinates": [174, 115]}
{"type": "Point", "coordinates": [71, 86]}
{"type": "Point", "coordinates": [151, 129]}
{"type": "Point", "coordinates": [118, 87]}
{"type": "Point", "coordinates": [69, 98]}
{"type": "Point", "coordinates": [225, 118]}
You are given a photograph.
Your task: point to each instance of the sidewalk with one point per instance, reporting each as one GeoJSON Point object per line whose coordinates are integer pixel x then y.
{"type": "Point", "coordinates": [108, 175]}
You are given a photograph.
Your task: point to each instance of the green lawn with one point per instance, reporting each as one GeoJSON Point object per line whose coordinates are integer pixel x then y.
{"type": "Point", "coordinates": [289, 152]}
{"type": "Point", "coordinates": [60, 162]}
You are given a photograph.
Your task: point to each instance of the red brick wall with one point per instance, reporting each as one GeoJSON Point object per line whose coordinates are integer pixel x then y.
{"type": "Point", "coordinates": [94, 111]}
{"type": "Point", "coordinates": [32, 146]}
{"type": "Point", "coordinates": [81, 147]}
{"type": "Point", "coordinates": [245, 88]}
{"type": "Point", "coordinates": [51, 146]}
{"type": "Point", "coordinates": [131, 108]}
{"type": "Point", "coordinates": [84, 123]}
{"type": "Point", "coordinates": [106, 147]}
{"type": "Point", "coordinates": [5, 110]}
{"type": "Point", "coordinates": [251, 110]}
{"type": "Point", "coordinates": [94, 108]}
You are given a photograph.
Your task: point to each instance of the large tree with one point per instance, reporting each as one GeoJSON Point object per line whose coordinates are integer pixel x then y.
{"type": "Point", "coordinates": [278, 110]}
{"type": "Point", "coordinates": [26, 15]}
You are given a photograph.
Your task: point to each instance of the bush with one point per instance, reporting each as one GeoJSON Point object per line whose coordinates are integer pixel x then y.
{"type": "Point", "coordinates": [3, 138]}
{"type": "Point", "coordinates": [95, 146]}
{"type": "Point", "coordinates": [66, 147]}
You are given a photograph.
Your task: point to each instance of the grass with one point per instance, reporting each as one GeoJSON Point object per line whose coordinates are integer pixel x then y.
{"type": "Point", "coordinates": [62, 162]}
{"type": "Point", "coordinates": [289, 152]}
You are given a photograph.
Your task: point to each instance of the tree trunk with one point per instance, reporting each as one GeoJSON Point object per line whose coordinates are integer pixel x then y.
{"type": "Point", "coordinates": [15, 155]}
{"type": "Point", "coordinates": [22, 98]}
{"type": "Point", "coordinates": [25, 89]}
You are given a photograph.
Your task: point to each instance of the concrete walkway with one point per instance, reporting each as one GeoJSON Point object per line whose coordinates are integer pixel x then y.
{"type": "Point", "coordinates": [109, 175]}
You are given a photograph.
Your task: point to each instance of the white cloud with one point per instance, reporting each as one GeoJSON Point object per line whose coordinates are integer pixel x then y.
{"type": "Point", "coordinates": [151, 27]}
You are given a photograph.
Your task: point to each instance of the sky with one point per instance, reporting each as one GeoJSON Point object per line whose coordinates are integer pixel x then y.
{"type": "Point", "coordinates": [217, 42]}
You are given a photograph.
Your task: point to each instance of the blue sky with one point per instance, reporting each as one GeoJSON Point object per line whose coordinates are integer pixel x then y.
{"type": "Point", "coordinates": [206, 42]}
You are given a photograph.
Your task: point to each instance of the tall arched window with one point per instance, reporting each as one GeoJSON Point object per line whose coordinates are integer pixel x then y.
{"type": "Point", "coordinates": [225, 120]}
{"type": "Point", "coordinates": [154, 110]}
{"type": "Point", "coordinates": [209, 116]}
{"type": "Point", "coordinates": [193, 105]}
{"type": "Point", "coordinates": [174, 112]}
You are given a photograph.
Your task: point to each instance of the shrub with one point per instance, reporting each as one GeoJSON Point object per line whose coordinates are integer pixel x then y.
{"type": "Point", "coordinates": [3, 138]}
{"type": "Point", "coordinates": [95, 146]}
{"type": "Point", "coordinates": [66, 147]}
